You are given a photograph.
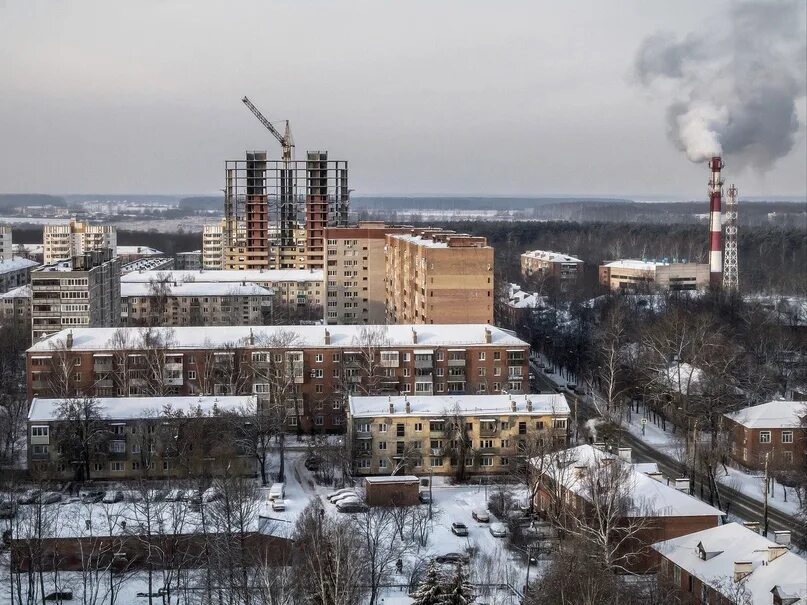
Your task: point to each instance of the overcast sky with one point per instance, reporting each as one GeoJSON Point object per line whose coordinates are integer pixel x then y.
{"type": "Point", "coordinates": [497, 97]}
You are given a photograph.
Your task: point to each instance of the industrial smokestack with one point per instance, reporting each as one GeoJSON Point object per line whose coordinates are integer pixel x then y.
{"type": "Point", "coordinates": [715, 223]}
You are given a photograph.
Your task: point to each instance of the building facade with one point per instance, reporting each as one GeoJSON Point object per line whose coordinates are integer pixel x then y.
{"type": "Point", "coordinates": [355, 271]}
{"type": "Point", "coordinates": [64, 241]}
{"type": "Point", "coordinates": [312, 368]}
{"type": "Point", "coordinates": [435, 276]}
{"type": "Point", "coordinates": [422, 434]}
{"type": "Point", "coordinates": [188, 261]}
{"type": "Point", "coordinates": [83, 291]}
{"type": "Point", "coordinates": [562, 268]}
{"type": "Point", "coordinates": [775, 430]}
{"type": "Point", "coordinates": [645, 276]}
{"type": "Point", "coordinates": [195, 304]}
{"type": "Point", "coordinates": [292, 287]}
{"type": "Point", "coordinates": [15, 272]}
{"type": "Point", "coordinates": [139, 437]}
{"type": "Point", "coordinates": [213, 245]}
{"type": "Point", "coordinates": [16, 308]}
{"type": "Point", "coordinates": [6, 245]}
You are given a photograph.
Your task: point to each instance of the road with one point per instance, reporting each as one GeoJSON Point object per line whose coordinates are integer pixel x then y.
{"type": "Point", "coordinates": [741, 505]}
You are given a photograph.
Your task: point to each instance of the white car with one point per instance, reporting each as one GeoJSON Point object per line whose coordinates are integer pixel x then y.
{"type": "Point", "coordinates": [278, 504]}
{"type": "Point", "coordinates": [498, 530]}
{"type": "Point", "coordinates": [351, 497]}
{"type": "Point", "coordinates": [277, 491]}
{"type": "Point", "coordinates": [339, 492]}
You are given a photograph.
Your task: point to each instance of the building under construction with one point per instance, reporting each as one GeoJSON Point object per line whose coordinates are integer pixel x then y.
{"type": "Point", "coordinates": [277, 210]}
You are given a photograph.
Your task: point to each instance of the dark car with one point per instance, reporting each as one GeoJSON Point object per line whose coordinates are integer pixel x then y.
{"type": "Point", "coordinates": [92, 497]}
{"type": "Point", "coordinates": [51, 497]}
{"type": "Point", "coordinates": [424, 497]}
{"type": "Point", "coordinates": [352, 507]}
{"type": "Point", "coordinates": [459, 529]}
{"type": "Point", "coordinates": [452, 557]}
{"type": "Point", "coordinates": [29, 497]}
{"type": "Point", "coordinates": [312, 463]}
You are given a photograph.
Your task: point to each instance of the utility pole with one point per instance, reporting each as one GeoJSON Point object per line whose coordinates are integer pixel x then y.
{"type": "Point", "coordinates": [765, 502]}
{"type": "Point", "coordinates": [431, 481]}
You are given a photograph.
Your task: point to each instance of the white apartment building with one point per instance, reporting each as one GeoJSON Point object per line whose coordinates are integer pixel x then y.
{"type": "Point", "coordinates": [213, 245]}
{"type": "Point", "coordinates": [64, 241]}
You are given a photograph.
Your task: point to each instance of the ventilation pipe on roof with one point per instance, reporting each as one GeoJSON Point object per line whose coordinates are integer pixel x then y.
{"type": "Point", "coordinates": [488, 336]}
{"type": "Point", "coordinates": [624, 453]}
{"type": "Point", "coordinates": [782, 536]}
{"type": "Point", "coordinates": [742, 569]}
{"type": "Point", "coordinates": [69, 342]}
{"type": "Point", "coordinates": [752, 525]}
{"type": "Point", "coordinates": [408, 406]}
{"type": "Point", "coordinates": [414, 336]}
{"type": "Point", "coordinates": [391, 407]}
{"type": "Point", "coordinates": [775, 551]}
{"type": "Point", "coordinates": [529, 405]}
{"type": "Point", "coordinates": [251, 338]}
{"type": "Point", "coordinates": [327, 337]}
{"type": "Point", "coordinates": [512, 404]}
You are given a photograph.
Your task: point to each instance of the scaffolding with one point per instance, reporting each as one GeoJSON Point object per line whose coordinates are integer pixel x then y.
{"type": "Point", "coordinates": [275, 199]}
{"type": "Point", "coordinates": [731, 277]}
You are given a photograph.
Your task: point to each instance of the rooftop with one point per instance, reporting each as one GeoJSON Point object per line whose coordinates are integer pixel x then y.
{"type": "Point", "coordinates": [148, 263]}
{"type": "Point", "coordinates": [555, 257]}
{"type": "Point", "coordinates": [16, 264]}
{"type": "Point", "coordinates": [648, 497]}
{"type": "Point", "coordinates": [18, 292]}
{"type": "Point", "coordinates": [130, 408]}
{"type": "Point", "coordinates": [393, 479]}
{"type": "Point", "coordinates": [103, 339]}
{"type": "Point", "coordinates": [142, 250]}
{"type": "Point", "coordinates": [470, 405]}
{"type": "Point", "coordinates": [637, 265]}
{"type": "Point", "coordinates": [726, 544]}
{"type": "Point", "coordinates": [226, 275]}
{"type": "Point", "coordinates": [195, 289]}
{"type": "Point", "coordinates": [771, 415]}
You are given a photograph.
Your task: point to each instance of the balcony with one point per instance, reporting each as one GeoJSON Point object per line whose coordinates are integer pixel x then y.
{"type": "Point", "coordinates": [40, 385]}
{"type": "Point", "coordinates": [102, 367]}
{"type": "Point", "coordinates": [424, 363]}
{"type": "Point", "coordinates": [104, 383]}
{"type": "Point", "coordinates": [456, 363]}
{"type": "Point", "coordinates": [488, 431]}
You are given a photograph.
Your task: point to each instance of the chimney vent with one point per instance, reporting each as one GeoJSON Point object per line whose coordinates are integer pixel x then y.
{"type": "Point", "coordinates": [391, 407]}
{"type": "Point", "coordinates": [69, 342]}
{"type": "Point", "coordinates": [782, 537]}
{"type": "Point", "coordinates": [742, 569]}
{"type": "Point", "coordinates": [682, 484]}
{"type": "Point", "coordinates": [408, 407]}
{"type": "Point", "coordinates": [599, 445]}
{"type": "Point", "coordinates": [656, 476]}
{"type": "Point", "coordinates": [752, 525]}
{"type": "Point", "coordinates": [327, 337]}
{"type": "Point", "coordinates": [251, 338]}
{"type": "Point", "coordinates": [414, 336]}
{"type": "Point", "coordinates": [775, 551]}
{"type": "Point", "coordinates": [513, 404]}
{"type": "Point", "coordinates": [625, 454]}
{"type": "Point", "coordinates": [529, 405]}
{"type": "Point", "coordinates": [488, 336]}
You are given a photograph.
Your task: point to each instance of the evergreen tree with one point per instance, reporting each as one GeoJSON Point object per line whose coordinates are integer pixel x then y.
{"type": "Point", "coordinates": [430, 589]}
{"type": "Point", "coordinates": [458, 591]}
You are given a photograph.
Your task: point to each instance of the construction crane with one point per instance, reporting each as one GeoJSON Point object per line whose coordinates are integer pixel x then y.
{"type": "Point", "coordinates": [286, 140]}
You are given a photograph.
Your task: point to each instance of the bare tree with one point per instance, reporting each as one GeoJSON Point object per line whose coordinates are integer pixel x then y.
{"type": "Point", "coordinates": [381, 544]}
{"type": "Point", "coordinates": [81, 434]}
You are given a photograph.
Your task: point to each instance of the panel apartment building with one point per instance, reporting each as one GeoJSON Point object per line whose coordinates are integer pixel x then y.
{"type": "Point", "coordinates": [64, 241]}
{"type": "Point", "coordinates": [6, 245]}
{"type": "Point", "coordinates": [645, 276]}
{"type": "Point", "coordinates": [319, 365]}
{"type": "Point", "coordinates": [82, 291]}
{"type": "Point", "coordinates": [15, 272]}
{"type": "Point", "coordinates": [562, 268]}
{"type": "Point", "coordinates": [284, 207]}
{"type": "Point", "coordinates": [415, 434]}
{"type": "Point", "coordinates": [356, 289]}
{"type": "Point", "coordinates": [436, 276]}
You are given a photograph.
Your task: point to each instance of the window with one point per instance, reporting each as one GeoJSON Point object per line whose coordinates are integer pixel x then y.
{"type": "Point", "coordinates": [497, 371]}
{"type": "Point", "coordinates": [363, 463]}
{"type": "Point", "coordinates": [764, 436]}
{"type": "Point", "coordinates": [418, 427]}
{"type": "Point", "coordinates": [787, 456]}
{"type": "Point", "coordinates": [407, 357]}
{"type": "Point", "coordinates": [382, 427]}
{"type": "Point", "coordinates": [318, 373]}
{"type": "Point", "coordinates": [487, 460]}
{"type": "Point", "coordinates": [482, 355]}
{"type": "Point", "coordinates": [560, 423]}
{"type": "Point", "coordinates": [441, 372]}
{"type": "Point", "coordinates": [436, 426]}
{"type": "Point", "coordinates": [407, 372]}
{"type": "Point", "coordinates": [363, 427]}
{"type": "Point", "coordinates": [400, 430]}
{"type": "Point", "coordinates": [39, 431]}
{"type": "Point", "coordinates": [481, 371]}
{"type": "Point", "coordinates": [787, 436]}
{"type": "Point", "coordinates": [117, 447]}
{"type": "Point", "coordinates": [135, 466]}
{"type": "Point", "coordinates": [318, 388]}
{"type": "Point", "coordinates": [39, 450]}
{"type": "Point", "coordinates": [165, 465]}
{"type": "Point", "coordinates": [191, 374]}
{"type": "Point", "coordinates": [319, 358]}
{"type": "Point", "coordinates": [293, 421]}
{"type": "Point", "coordinates": [116, 467]}
{"type": "Point", "coordinates": [440, 356]}
{"type": "Point", "coordinates": [335, 357]}
{"type": "Point", "coordinates": [539, 426]}
{"type": "Point", "coordinates": [382, 463]}
{"type": "Point", "coordinates": [505, 443]}
{"type": "Point", "coordinates": [522, 428]}
{"type": "Point", "coordinates": [486, 443]}
{"type": "Point", "coordinates": [435, 461]}
{"type": "Point", "coordinates": [382, 446]}
{"type": "Point", "coordinates": [504, 461]}
{"type": "Point", "coordinates": [318, 420]}
{"type": "Point", "coordinates": [497, 355]}
{"type": "Point", "coordinates": [98, 467]}
{"type": "Point", "coordinates": [406, 387]}
{"type": "Point", "coordinates": [135, 448]}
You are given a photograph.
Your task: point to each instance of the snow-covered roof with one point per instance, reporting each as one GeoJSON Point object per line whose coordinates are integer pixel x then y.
{"type": "Point", "coordinates": [683, 377]}
{"type": "Point", "coordinates": [148, 263]}
{"type": "Point", "coordinates": [16, 264]}
{"type": "Point", "coordinates": [226, 275]}
{"type": "Point", "coordinates": [419, 240]}
{"type": "Point", "coordinates": [771, 415]}
{"type": "Point", "coordinates": [30, 248]}
{"type": "Point", "coordinates": [649, 497]}
{"type": "Point", "coordinates": [196, 289]}
{"type": "Point", "coordinates": [470, 405]}
{"type": "Point", "coordinates": [186, 337]}
{"type": "Point", "coordinates": [142, 250]}
{"type": "Point", "coordinates": [553, 257]}
{"type": "Point", "coordinates": [393, 479]}
{"type": "Point", "coordinates": [519, 299]}
{"type": "Point", "coordinates": [130, 408]}
{"type": "Point", "coordinates": [730, 543]}
{"type": "Point", "coordinates": [638, 265]}
{"type": "Point", "coordinates": [18, 292]}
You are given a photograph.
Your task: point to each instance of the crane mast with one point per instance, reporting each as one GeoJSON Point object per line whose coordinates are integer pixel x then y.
{"type": "Point", "coordinates": [286, 140]}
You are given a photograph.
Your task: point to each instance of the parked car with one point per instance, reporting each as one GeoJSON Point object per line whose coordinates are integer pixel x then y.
{"type": "Point", "coordinates": [277, 491]}
{"type": "Point", "coordinates": [498, 530]}
{"type": "Point", "coordinates": [59, 595]}
{"type": "Point", "coordinates": [278, 504]}
{"type": "Point", "coordinates": [459, 529]}
{"type": "Point", "coordinates": [92, 497]}
{"type": "Point", "coordinates": [112, 496]}
{"type": "Point", "coordinates": [312, 463]}
{"type": "Point", "coordinates": [175, 495]}
{"type": "Point", "coordinates": [425, 497]}
{"type": "Point", "coordinates": [480, 515]}
{"type": "Point", "coordinates": [211, 494]}
{"type": "Point", "coordinates": [338, 492]}
{"type": "Point", "coordinates": [352, 507]}
{"type": "Point", "coordinates": [452, 557]}
{"type": "Point", "coordinates": [344, 496]}
{"type": "Point", "coordinates": [51, 497]}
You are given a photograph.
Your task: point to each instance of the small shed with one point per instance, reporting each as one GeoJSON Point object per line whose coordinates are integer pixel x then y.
{"type": "Point", "coordinates": [392, 490]}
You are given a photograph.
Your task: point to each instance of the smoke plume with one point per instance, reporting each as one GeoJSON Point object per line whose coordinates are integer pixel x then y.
{"type": "Point", "coordinates": [736, 88]}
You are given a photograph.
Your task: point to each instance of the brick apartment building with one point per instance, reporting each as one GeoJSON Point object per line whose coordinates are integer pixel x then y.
{"type": "Point", "coordinates": [732, 564]}
{"type": "Point", "coordinates": [142, 437]}
{"type": "Point", "coordinates": [355, 272]}
{"type": "Point", "coordinates": [570, 482]}
{"type": "Point", "coordinates": [316, 366]}
{"type": "Point", "coordinates": [562, 268]}
{"type": "Point", "coordinates": [415, 434]}
{"type": "Point", "coordinates": [436, 276]}
{"type": "Point", "coordinates": [775, 429]}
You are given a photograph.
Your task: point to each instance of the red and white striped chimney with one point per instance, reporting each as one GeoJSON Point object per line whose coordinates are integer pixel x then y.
{"type": "Point", "coordinates": [715, 223]}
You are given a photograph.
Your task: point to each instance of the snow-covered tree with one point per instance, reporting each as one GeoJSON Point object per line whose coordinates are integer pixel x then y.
{"type": "Point", "coordinates": [430, 590]}
{"type": "Point", "coordinates": [457, 591]}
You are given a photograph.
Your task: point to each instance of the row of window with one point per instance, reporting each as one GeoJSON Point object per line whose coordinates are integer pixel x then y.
{"type": "Point", "coordinates": [439, 426]}
{"type": "Point", "coordinates": [765, 436]}
{"type": "Point", "coordinates": [439, 462]}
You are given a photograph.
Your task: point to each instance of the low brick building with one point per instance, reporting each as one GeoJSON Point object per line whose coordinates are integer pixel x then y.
{"type": "Point", "coordinates": [562, 268]}
{"type": "Point", "coordinates": [399, 490]}
{"type": "Point", "coordinates": [776, 429]}
{"type": "Point", "coordinates": [645, 276]}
